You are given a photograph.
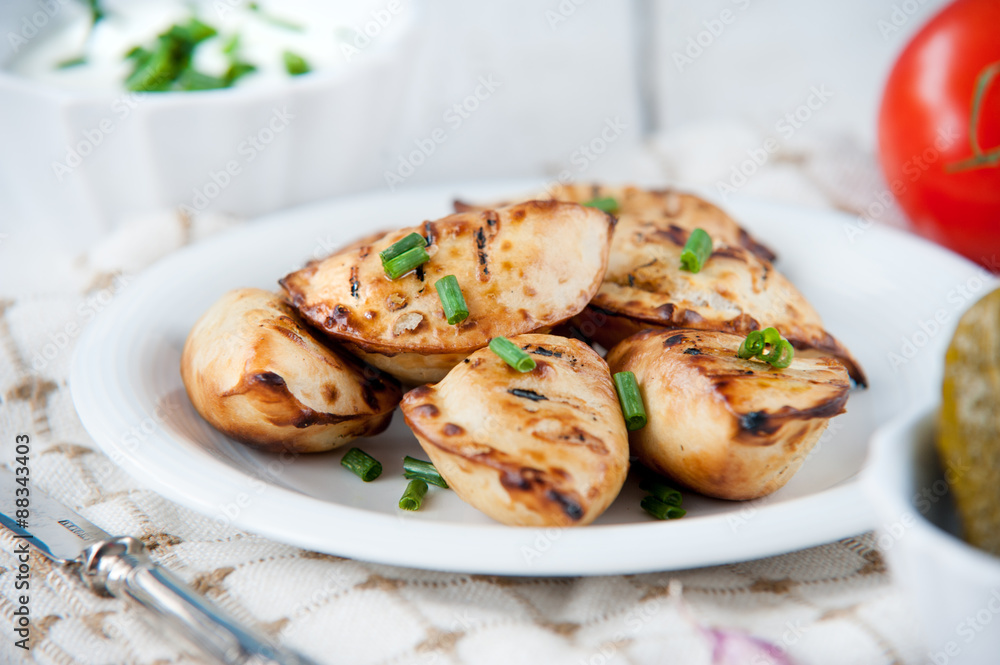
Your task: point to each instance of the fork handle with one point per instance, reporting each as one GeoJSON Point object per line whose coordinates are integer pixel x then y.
{"type": "Point", "coordinates": [121, 567]}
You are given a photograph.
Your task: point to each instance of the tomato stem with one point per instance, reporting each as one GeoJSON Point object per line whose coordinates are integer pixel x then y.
{"type": "Point", "coordinates": [979, 158]}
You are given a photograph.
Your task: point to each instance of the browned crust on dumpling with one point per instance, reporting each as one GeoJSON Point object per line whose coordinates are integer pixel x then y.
{"type": "Point", "coordinates": [521, 269]}
{"type": "Point", "coordinates": [723, 426]}
{"type": "Point", "coordinates": [257, 374]}
{"type": "Point", "coordinates": [546, 447]}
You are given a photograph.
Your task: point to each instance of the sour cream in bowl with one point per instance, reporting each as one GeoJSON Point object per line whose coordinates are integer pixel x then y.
{"type": "Point", "coordinates": [229, 105]}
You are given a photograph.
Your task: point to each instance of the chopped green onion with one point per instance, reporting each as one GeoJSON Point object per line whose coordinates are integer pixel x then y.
{"type": "Point", "coordinates": [696, 251]}
{"type": "Point", "coordinates": [295, 64]}
{"type": "Point", "coordinates": [160, 68]}
{"type": "Point", "coordinates": [193, 32]}
{"type": "Point", "coordinates": [364, 466]}
{"type": "Point", "coordinates": [72, 62]}
{"type": "Point", "coordinates": [767, 345]}
{"type": "Point", "coordinates": [607, 204]}
{"type": "Point", "coordinates": [450, 293]}
{"type": "Point", "coordinates": [771, 336]}
{"type": "Point", "coordinates": [752, 345]}
{"type": "Point", "coordinates": [191, 79]}
{"type": "Point", "coordinates": [417, 469]}
{"type": "Point", "coordinates": [781, 354]}
{"type": "Point", "coordinates": [231, 44]}
{"type": "Point", "coordinates": [631, 400]}
{"type": "Point", "coordinates": [661, 510]}
{"type": "Point", "coordinates": [662, 491]}
{"type": "Point", "coordinates": [400, 246]}
{"type": "Point", "coordinates": [414, 495]}
{"type": "Point", "coordinates": [137, 53]}
{"type": "Point", "coordinates": [405, 262]}
{"type": "Point", "coordinates": [237, 70]}
{"type": "Point", "coordinates": [511, 354]}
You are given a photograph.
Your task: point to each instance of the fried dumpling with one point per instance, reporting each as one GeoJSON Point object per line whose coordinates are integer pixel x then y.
{"type": "Point", "coordinates": [257, 374]}
{"type": "Point", "coordinates": [722, 426]}
{"type": "Point", "coordinates": [543, 448]}
{"type": "Point", "coordinates": [521, 269]}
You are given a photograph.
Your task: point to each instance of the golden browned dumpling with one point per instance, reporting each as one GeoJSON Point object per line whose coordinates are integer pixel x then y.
{"type": "Point", "coordinates": [543, 448]}
{"type": "Point", "coordinates": [521, 269]}
{"type": "Point", "coordinates": [735, 291]}
{"type": "Point", "coordinates": [257, 374]}
{"type": "Point", "coordinates": [726, 427]}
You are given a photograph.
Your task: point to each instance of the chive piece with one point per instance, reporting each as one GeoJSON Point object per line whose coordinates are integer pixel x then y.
{"type": "Point", "coordinates": [452, 300]}
{"type": "Point", "coordinates": [771, 337]}
{"type": "Point", "coordinates": [661, 510]}
{"type": "Point", "coordinates": [696, 251]}
{"type": "Point", "coordinates": [295, 64]}
{"type": "Point", "coordinates": [192, 79]}
{"type": "Point", "coordinates": [414, 495]}
{"type": "Point", "coordinates": [511, 354]}
{"type": "Point", "coordinates": [72, 62]}
{"type": "Point", "coordinates": [231, 44]}
{"type": "Point", "coordinates": [237, 70]}
{"type": "Point", "coordinates": [405, 262]}
{"type": "Point", "coordinates": [752, 345]}
{"type": "Point", "coordinates": [193, 32]}
{"type": "Point", "coordinates": [781, 354]}
{"type": "Point", "coordinates": [607, 204]}
{"type": "Point", "coordinates": [662, 491]}
{"type": "Point", "coordinates": [400, 246]}
{"type": "Point", "coordinates": [137, 53]}
{"type": "Point", "coordinates": [631, 400]}
{"type": "Point", "coordinates": [363, 465]}
{"type": "Point", "coordinates": [158, 69]}
{"type": "Point", "coordinates": [414, 468]}
{"type": "Point", "coordinates": [767, 345]}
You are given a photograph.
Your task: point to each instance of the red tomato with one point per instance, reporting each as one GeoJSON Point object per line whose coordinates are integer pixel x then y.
{"type": "Point", "coordinates": [939, 130]}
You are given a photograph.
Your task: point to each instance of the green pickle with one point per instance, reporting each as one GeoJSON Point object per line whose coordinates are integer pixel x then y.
{"type": "Point", "coordinates": [969, 430]}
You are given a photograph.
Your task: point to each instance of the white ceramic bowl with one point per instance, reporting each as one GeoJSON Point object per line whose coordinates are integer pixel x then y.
{"type": "Point", "coordinates": [955, 588]}
{"type": "Point", "coordinates": [318, 134]}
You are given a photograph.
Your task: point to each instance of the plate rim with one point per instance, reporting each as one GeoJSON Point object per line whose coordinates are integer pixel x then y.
{"type": "Point", "coordinates": [767, 534]}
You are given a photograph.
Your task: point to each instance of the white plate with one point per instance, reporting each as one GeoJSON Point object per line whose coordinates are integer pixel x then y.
{"type": "Point", "coordinates": [873, 293]}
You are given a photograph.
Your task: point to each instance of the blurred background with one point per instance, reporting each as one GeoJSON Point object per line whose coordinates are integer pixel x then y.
{"type": "Point", "coordinates": [655, 92]}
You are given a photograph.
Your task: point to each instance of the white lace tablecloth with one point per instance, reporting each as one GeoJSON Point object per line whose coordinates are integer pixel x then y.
{"type": "Point", "coordinates": [830, 604]}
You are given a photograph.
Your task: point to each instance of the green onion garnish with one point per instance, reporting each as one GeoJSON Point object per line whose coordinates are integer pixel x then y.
{"type": "Point", "coordinates": [607, 204]}
{"type": "Point", "coordinates": [400, 246]}
{"type": "Point", "coordinates": [159, 68]}
{"type": "Point", "coordinates": [450, 293]}
{"type": "Point", "coordinates": [72, 62]}
{"type": "Point", "coordinates": [364, 466]}
{"type": "Point", "coordinates": [751, 346]}
{"type": "Point", "coordinates": [191, 79]}
{"type": "Point", "coordinates": [231, 44]}
{"type": "Point", "coordinates": [414, 495]}
{"type": "Point", "coordinates": [767, 345]}
{"type": "Point", "coordinates": [511, 354]}
{"type": "Point", "coordinates": [661, 510]}
{"type": "Point", "coordinates": [405, 262]}
{"type": "Point", "coordinates": [295, 64]}
{"type": "Point", "coordinates": [417, 469]}
{"type": "Point", "coordinates": [696, 251]}
{"type": "Point", "coordinates": [631, 400]}
{"type": "Point", "coordinates": [781, 354]}
{"type": "Point", "coordinates": [238, 69]}
{"type": "Point", "coordinates": [662, 491]}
